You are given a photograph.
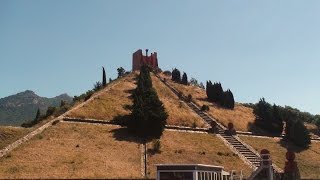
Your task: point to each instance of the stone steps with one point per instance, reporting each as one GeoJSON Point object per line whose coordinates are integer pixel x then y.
{"type": "Point", "coordinates": [235, 143]}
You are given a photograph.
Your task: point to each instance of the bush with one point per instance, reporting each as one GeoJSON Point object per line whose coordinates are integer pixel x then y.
{"type": "Point", "coordinates": [167, 73]}
{"type": "Point", "coordinates": [189, 98]}
{"type": "Point", "coordinates": [205, 108]}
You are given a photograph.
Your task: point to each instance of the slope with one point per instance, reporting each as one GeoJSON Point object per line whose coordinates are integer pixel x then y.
{"type": "Point", "coordinates": [241, 116]}
{"type": "Point", "coordinates": [75, 151]}
{"type": "Point", "coordinates": [194, 148]}
{"type": "Point", "coordinates": [179, 113]}
{"type": "Point", "coordinates": [308, 159]}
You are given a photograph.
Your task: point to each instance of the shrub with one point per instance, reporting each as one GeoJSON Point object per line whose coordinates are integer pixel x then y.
{"type": "Point", "coordinates": [167, 73]}
{"type": "Point", "coordinates": [189, 98]}
{"type": "Point", "coordinates": [205, 108]}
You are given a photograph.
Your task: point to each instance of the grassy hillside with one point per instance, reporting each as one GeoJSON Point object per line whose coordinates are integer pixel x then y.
{"type": "Point", "coordinates": [75, 151]}
{"type": "Point", "coordinates": [241, 116]}
{"type": "Point", "coordinates": [180, 147]}
{"type": "Point", "coordinates": [114, 103]}
{"type": "Point", "coordinates": [110, 104]}
{"type": "Point", "coordinates": [308, 160]}
{"type": "Point", "coordinates": [179, 113]}
{"type": "Point", "coordinates": [9, 135]}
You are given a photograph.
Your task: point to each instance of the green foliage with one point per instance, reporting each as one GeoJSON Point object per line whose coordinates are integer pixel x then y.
{"type": "Point", "coordinates": [301, 135]}
{"type": "Point", "coordinates": [268, 117]}
{"type": "Point", "coordinates": [215, 94]}
{"type": "Point", "coordinates": [36, 120]}
{"type": "Point", "coordinates": [37, 115]}
{"type": "Point", "coordinates": [167, 73]}
{"type": "Point", "coordinates": [121, 72]}
{"type": "Point", "coordinates": [317, 120]}
{"type": "Point", "coordinates": [228, 100]}
{"type": "Point", "coordinates": [104, 77]}
{"type": "Point", "coordinates": [51, 110]}
{"type": "Point", "coordinates": [184, 79]}
{"type": "Point", "coordinates": [148, 117]}
{"type": "Point", "coordinates": [205, 108]}
{"type": "Point", "coordinates": [271, 118]}
{"type": "Point", "coordinates": [97, 86]}
{"type": "Point", "coordinates": [189, 98]}
{"type": "Point", "coordinates": [20, 108]}
{"type": "Point", "coordinates": [176, 75]}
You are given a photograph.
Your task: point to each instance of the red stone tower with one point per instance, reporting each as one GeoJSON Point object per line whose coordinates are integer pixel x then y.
{"type": "Point", "coordinates": [138, 59]}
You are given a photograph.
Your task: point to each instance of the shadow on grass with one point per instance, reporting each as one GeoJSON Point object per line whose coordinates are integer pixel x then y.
{"type": "Point", "coordinates": [292, 147]}
{"type": "Point", "coordinates": [121, 120]}
{"type": "Point", "coordinates": [122, 134]}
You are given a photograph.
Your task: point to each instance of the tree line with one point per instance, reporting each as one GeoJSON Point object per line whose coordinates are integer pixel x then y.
{"type": "Point", "coordinates": [216, 94]}
{"type": "Point", "coordinates": [214, 91]}
{"type": "Point", "coordinates": [272, 118]}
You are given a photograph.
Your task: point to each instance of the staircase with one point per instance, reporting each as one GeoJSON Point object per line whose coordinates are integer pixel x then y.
{"type": "Point", "coordinates": [245, 152]}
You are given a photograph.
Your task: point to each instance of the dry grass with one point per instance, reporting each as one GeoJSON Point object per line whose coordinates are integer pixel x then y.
{"type": "Point", "coordinates": [241, 116]}
{"type": "Point", "coordinates": [10, 134]}
{"type": "Point", "coordinates": [189, 148]}
{"type": "Point", "coordinates": [179, 113]}
{"type": "Point", "coordinates": [308, 160]}
{"type": "Point", "coordinates": [110, 104]}
{"type": "Point", "coordinates": [314, 130]}
{"type": "Point", "coordinates": [75, 151]}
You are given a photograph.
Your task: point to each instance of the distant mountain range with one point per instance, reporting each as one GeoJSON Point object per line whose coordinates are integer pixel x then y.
{"type": "Point", "coordinates": [22, 107]}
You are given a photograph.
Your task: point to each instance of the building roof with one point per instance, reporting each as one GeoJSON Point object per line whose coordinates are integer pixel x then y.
{"type": "Point", "coordinates": [201, 167]}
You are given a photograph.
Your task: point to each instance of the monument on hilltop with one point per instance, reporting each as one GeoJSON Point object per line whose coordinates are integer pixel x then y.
{"type": "Point", "coordinates": [138, 59]}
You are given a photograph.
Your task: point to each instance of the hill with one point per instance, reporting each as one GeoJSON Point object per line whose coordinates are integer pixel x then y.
{"type": "Point", "coordinates": [308, 159]}
{"type": "Point", "coordinates": [22, 107]}
{"type": "Point", "coordinates": [85, 150]}
{"type": "Point", "coordinates": [115, 104]}
{"type": "Point", "coordinates": [241, 116]}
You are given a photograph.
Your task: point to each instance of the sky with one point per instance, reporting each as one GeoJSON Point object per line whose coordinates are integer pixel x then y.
{"type": "Point", "coordinates": [257, 49]}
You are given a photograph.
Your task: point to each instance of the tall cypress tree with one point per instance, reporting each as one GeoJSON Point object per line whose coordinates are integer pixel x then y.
{"type": "Point", "coordinates": [301, 135]}
{"type": "Point", "coordinates": [104, 77]}
{"type": "Point", "coordinates": [148, 113]}
{"type": "Point", "coordinates": [176, 75]}
{"type": "Point", "coordinates": [184, 79]}
{"type": "Point", "coordinates": [37, 118]}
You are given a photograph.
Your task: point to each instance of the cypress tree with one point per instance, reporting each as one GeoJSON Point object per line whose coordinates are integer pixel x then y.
{"type": "Point", "coordinates": [176, 75]}
{"type": "Point", "coordinates": [37, 115]}
{"type": "Point", "coordinates": [277, 120]}
{"type": "Point", "coordinates": [228, 99]}
{"type": "Point", "coordinates": [104, 77]}
{"type": "Point", "coordinates": [184, 79]}
{"type": "Point", "coordinates": [301, 135]}
{"type": "Point", "coordinates": [148, 113]}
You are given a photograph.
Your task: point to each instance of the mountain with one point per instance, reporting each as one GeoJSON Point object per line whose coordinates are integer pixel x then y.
{"type": "Point", "coordinates": [19, 108]}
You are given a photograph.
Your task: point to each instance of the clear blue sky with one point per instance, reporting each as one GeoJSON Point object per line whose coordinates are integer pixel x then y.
{"type": "Point", "coordinates": [257, 49]}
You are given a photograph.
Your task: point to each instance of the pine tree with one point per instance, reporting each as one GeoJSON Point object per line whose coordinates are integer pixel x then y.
{"type": "Point", "coordinates": [104, 77]}
{"type": "Point", "coordinates": [184, 79]}
{"type": "Point", "coordinates": [148, 117]}
{"type": "Point", "coordinates": [209, 90]}
{"type": "Point", "coordinates": [121, 72]}
{"type": "Point", "coordinates": [228, 99]}
{"type": "Point", "coordinates": [277, 120]}
{"type": "Point", "coordinates": [301, 135]}
{"type": "Point", "coordinates": [176, 75]}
